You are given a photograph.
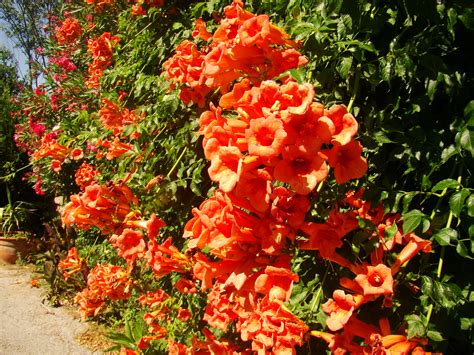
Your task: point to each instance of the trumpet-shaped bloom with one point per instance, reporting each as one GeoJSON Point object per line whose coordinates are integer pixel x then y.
{"type": "Point", "coordinates": [345, 124]}
{"type": "Point", "coordinates": [166, 258]}
{"type": "Point", "coordinates": [200, 30]}
{"type": "Point", "coordinates": [272, 327]}
{"type": "Point", "coordinates": [103, 282]}
{"type": "Point", "coordinates": [377, 280]}
{"type": "Point", "coordinates": [129, 244]}
{"type": "Point", "coordinates": [347, 161]}
{"type": "Point", "coordinates": [265, 137]}
{"type": "Point", "coordinates": [301, 169]}
{"type": "Point", "coordinates": [71, 264]}
{"type": "Point", "coordinates": [276, 282]}
{"type": "Point", "coordinates": [340, 309]}
{"type": "Point", "coordinates": [225, 167]}
{"type": "Point", "coordinates": [102, 206]}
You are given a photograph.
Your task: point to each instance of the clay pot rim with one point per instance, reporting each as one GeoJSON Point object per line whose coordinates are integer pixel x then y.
{"type": "Point", "coordinates": [15, 235]}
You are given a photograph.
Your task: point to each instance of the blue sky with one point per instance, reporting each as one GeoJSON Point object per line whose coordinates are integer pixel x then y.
{"type": "Point", "coordinates": [21, 59]}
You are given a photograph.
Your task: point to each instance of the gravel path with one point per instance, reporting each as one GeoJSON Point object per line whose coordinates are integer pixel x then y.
{"type": "Point", "coordinates": [27, 326]}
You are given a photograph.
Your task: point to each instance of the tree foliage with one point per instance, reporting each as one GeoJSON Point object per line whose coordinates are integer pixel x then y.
{"type": "Point", "coordinates": [25, 23]}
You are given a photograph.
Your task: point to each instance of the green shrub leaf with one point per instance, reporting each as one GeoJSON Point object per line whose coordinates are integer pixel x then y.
{"type": "Point", "coordinates": [456, 201]}
{"type": "Point", "coordinates": [445, 184]}
{"type": "Point", "coordinates": [445, 236]}
{"type": "Point", "coordinates": [412, 220]}
{"type": "Point", "coordinates": [416, 328]}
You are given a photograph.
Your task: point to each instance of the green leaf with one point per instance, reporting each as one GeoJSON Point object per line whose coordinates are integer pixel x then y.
{"type": "Point", "coordinates": [447, 153]}
{"type": "Point", "coordinates": [469, 113]}
{"type": "Point", "coordinates": [445, 184]}
{"type": "Point", "coordinates": [466, 323]}
{"type": "Point", "coordinates": [198, 9]}
{"type": "Point", "coordinates": [447, 295]}
{"type": "Point", "coordinates": [406, 201]}
{"type": "Point", "coordinates": [434, 335]}
{"type": "Point", "coordinates": [344, 24]}
{"type": "Point", "coordinates": [431, 89]}
{"type": "Point", "coordinates": [344, 67]}
{"type": "Point", "coordinates": [452, 19]}
{"type": "Point", "coordinates": [467, 18]}
{"type": "Point", "coordinates": [298, 74]}
{"type": "Point", "coordinates": [138, 330]}
{"type": "Point", "coordinates": [390, 232]}
{"type": "Point", "coordinates": [470, 205]}
{"type": "Point", "coordinates": [367, 46]}
{"type": "Point", "coordinates": [385, 69]}
{"type": "Point", "coordinates": [381, 137]}
{"type": "Point", "coordinates": [411, 220]}
{"type": "Point", "coordinates": [425, 225]}
{"type": "Point", "coordinates": [427, 285]}
{"type": "Point", "coordinates": [128, 330]}
{"type": "Point", "coordinates": [416, 328]}
{"type": "Point", "coordinates": [121, 339]}
{"type": "Point", "coordinates": [465, 140]}
{"type": "Point", "coordinates": [456, 201]}
{"type": "Point", "coordinates": [462, 250]}
{"type": "Point", "coordinates": [115, 348]}
{"type": "Point", "coordinates": [445, 236]}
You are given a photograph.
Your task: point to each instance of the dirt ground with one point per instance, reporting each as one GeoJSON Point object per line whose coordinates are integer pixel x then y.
{"type": "Point", "coordinates": [29, 326]}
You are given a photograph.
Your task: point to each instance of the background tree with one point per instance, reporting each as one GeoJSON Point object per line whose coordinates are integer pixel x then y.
{"type": "Point", "coordinates": [8, 85]}
{"type": "Point", "coordinates": [18, 202]}
{"type": "Point", "coordinates": [24, 22]}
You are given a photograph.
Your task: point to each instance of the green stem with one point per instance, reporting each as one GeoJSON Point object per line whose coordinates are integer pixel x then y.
{"type": "Point", "coordinates": [443, 248]}
{"type": "Point", "coordinates": [315, 302]}
{"type": "Point", "coordinates": [448, 225]}
{"type": "Point", "coordinates": [356, 88]}
{"type": "Point", "coordinates": [9, 197]}
{"type": "Point", "coordinates": [143, 29]}
{"type": "Point", "coordinates": [177, 162]}
{"type": "Point", "coordinates": [11, 175]}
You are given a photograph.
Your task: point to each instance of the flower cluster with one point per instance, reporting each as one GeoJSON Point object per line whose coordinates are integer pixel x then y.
{"type": "Point", "coordinates": [244, 45]}
{"type": "Point", "coordinates": [64, 62]}
{"type": "Point", "coordinates": [85, 175]}
{"type": "Point", "coordinates": [69, 31]}
{"type": "Point", "coordinates": [101, 206]}
{"type": "Point", "coordinates": [101, 49]}
{"type": "Point", "coordinates": [115, 148]}
{"type": "Point", "coordinates": [280, 130]}
{"type": "Point", "coordinates": [103, 282]}
{"type": "Point", "coordinates": [141, 7]}
{"type": "Point", "coordinates": [115, 118]}
{"type": "Point", "coordinates": [373, 280]}
{"type": "Point", "coordinates": [50, 148]}
{"type": "Point", "coordinates": [100, 5]}
{"type": "Point", "coordinates": [72, 264]}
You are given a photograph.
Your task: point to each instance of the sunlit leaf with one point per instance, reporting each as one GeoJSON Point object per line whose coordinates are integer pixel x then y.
{"type": "Point", "coordinates": [456, 201]}
{"type": "Point", "coordinates": [412, 220]}
{"type": "Point", "coordinates": [445, 236]}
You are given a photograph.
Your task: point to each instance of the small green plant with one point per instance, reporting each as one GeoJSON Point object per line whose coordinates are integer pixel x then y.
{"type": "Point", "coordinates": [133, 332]}
{"type": "Point", "coordinates": [15, 214]}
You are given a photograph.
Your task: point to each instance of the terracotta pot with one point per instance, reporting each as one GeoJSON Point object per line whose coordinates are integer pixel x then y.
{"type": "Point", "coordinates": [11, 247]}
